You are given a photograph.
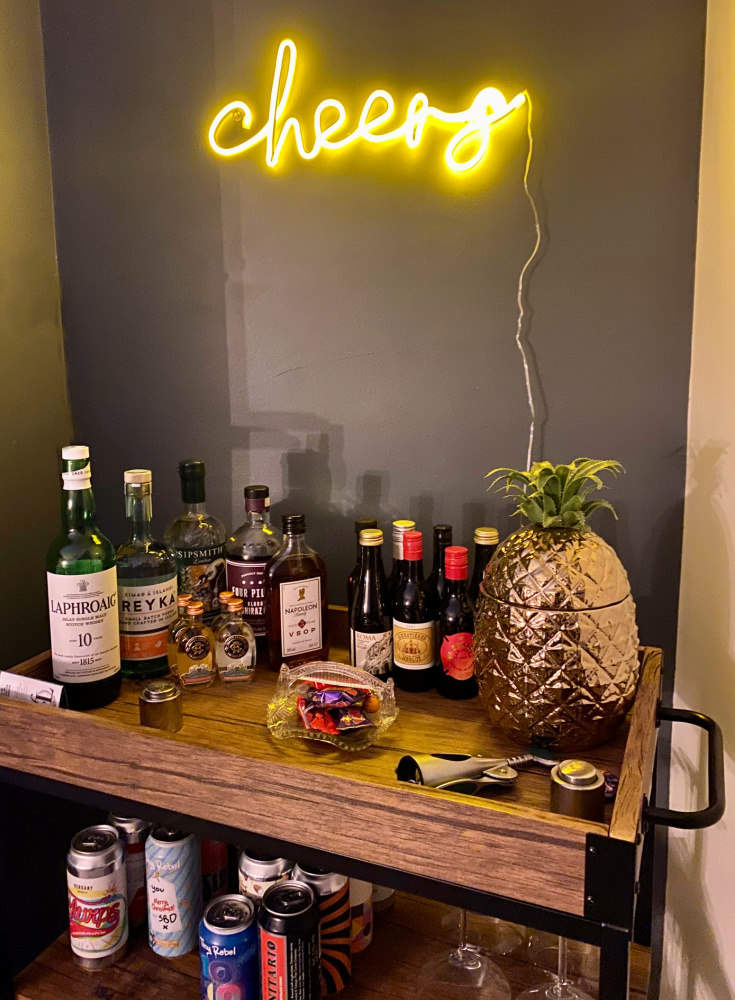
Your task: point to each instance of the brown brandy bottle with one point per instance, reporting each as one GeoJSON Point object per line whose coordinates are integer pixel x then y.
{"type": "Point", "coordinates": [296, 600]}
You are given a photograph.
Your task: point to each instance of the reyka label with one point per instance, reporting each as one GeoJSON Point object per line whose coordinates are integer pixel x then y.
{"type": "Point", "coordinates": [247, 580]}
{"type": "Point", "coordinates": [85, 640]}
{"type": "Point", "coordinates": [413, 645]}
{"type": "Point", "coordinates": [301, 616]}
{"type": "Point", "coordinates": [458, 658]}
{"type": "Point", "coordinates": [202, 574]}
{"type": "Point", "coordinates": [372, 651]}
{"type": "Point", "coordinates": [98, 913]}
{"type": "Point", "coordinates": [147, 608]}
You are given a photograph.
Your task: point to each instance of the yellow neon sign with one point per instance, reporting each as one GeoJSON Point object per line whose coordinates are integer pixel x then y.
{"type": "Point", "coordinates": [466, 150]}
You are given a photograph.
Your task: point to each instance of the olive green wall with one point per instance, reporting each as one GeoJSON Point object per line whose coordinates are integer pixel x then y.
{"type": "Point", "coordinates": [34, 409]}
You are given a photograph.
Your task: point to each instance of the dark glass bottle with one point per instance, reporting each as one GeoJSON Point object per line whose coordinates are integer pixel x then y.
{"type": "Point", "coordinates": [371, 624]}
{"type": "Point", "coordinates": [435, 581]}
{"type": "Point", "coordinates": [296, 595]}
{"type": "Point", "coordinates": [361, 524]}
{"type": "Point", "coordinates": [486, 542]}
{"type": "Point", "coordinates": [399, 530]}
{"type": "Point", "coordinates": [456, 670]}
{"type": "Point", "coordinates": [413, 622]}
{"type": "Point", "coordinates": [82, 592]}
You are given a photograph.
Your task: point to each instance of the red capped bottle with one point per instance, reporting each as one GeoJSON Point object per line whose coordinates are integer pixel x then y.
{"type": "Point", "coordinates": [413, 621]}
{"type": "Point", "coordinates": [456, 674]}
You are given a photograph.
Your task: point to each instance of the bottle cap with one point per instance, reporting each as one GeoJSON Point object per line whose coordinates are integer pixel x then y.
{"type": "Point", "coordinates": [75, 452]}
{"type": "Point", "coordinates": [371, 536]}
{"type": "Point", "coordinates": [191, 471]}
{"type": "Point", "coordinates": [293, 524]}
{"type": "Point", "coordinates": [399, 530]}
{"type": "Point", "coordinates": [443, 532]}
{"type": "Point", "coordinates": [257, 498]}
{"type": "Point", "coordinates": [456, 562]}
{"type": "Point", "coordinates": [235, 604]}
{"type": "Point", "coordinates": [413, 546]}
{"type": "Point", "coordinates": [363, 523]}
{"type": "Point", "coordinates": [138, 476]}
{"type": "Point", "coordinates": [399, 527]}
{"type": "Point", "coordinates": [486, 536]}
{"type": "Point", "coordinates": [196, 608]}
{"type": "Point", "coordinates": [183, 600]}
{"type": "Point", "coordinates": [225, 596]}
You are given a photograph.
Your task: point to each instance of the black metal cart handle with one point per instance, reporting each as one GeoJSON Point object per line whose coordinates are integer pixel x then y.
{"type": "Point", "coordinates": [715, 776]}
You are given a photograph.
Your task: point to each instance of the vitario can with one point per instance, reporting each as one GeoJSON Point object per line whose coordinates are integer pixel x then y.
{"type": "Point", "coordinates": [98, 910]}
{"type": "Point", "coordinates": [257, 872]}
{"type": "Point", "coordinates": [228, 949]}
{"type": "Point", "coordinates": [133, 833]}
{"type": "Point", "coordinates": [174, 880]}
{"type": "Point", "coordinates": [333, 895]}
{"type": "Point", "coordinates": [289, 943]}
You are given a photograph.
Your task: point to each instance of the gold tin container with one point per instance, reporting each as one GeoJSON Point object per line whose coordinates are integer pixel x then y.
{"type": "Point", "coordinates": [578, 789]}
{"type": "Point", "coordinates": [160, 705]}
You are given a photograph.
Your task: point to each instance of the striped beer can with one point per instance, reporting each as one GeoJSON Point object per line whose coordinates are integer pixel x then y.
{"type": "Point", "coordinates": [333, 894]}
{"type": "Point", "coordinates": [174, 884]}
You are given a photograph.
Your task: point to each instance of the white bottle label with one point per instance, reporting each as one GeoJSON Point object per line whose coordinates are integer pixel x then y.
{"type": "Point", "coordinates": [301, 616]}
{"type": "Point", "coordinates": [413, 645]}
{"type": "Point", "coordinates": [146, 611]}
{"type": "Point", "coordinates": [85, 641]}
{"type": "Point", "coordinates": [98, 913]}
{"type": "Point", "coordinates": [372, 651]}
{"type": "Point", "coordinates": [163, 907]}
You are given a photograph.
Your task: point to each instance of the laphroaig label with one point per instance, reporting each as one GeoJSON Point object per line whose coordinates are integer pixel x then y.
{"type": "Point", "coordinates": [301, 616]}
{"type": "Point", "coordinates": [85, 640]}
{"type": "Point", "coordinates": [247, 580]}
{"type": "Point", "coordinates": [146, 610]}
{"type": "Point", "coordinates": [202, 574]}
{"type": "Point", "coordinates": [98, 913]}
{"type": "Point", "coordinates": [457, 655]}
{"type": "Point", "coordinates": [372, 651]}
{"type": "Point", "coordinates": [413, 645]}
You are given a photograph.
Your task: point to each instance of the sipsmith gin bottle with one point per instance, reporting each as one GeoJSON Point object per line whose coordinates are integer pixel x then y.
{"type": "Point", "coordinates": [82, 593]}
{"type": "Point", "coordinates": [198, 540]}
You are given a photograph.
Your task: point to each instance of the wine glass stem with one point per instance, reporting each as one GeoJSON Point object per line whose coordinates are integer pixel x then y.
{"type": "Point", "coordinates": [561, 968]}
{"type": "Point", "coordinates": [463, 930]}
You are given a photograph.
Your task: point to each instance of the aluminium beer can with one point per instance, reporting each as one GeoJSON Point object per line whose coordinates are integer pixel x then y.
{"type": "Point", "coordinates": [98, 900]}
{"type": "Point", "coordinates": [228, 949]}
{"type": "Point", "coordinates": [333, 895]}
{"type": "Point", "coordinates": [257, 872]}
{"type": "Point", "coordinates": [174, 882]}
{"type": "Point", "coordinates": [133, 833]}
{"type": "Point", "coordinates": [289, 943]}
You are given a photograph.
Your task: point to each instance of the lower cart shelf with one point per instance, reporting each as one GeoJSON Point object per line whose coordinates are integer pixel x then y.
{"type": "Point", "coordinates": [405, 938]}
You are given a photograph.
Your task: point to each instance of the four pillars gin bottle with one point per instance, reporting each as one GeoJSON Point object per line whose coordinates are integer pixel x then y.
{"type": "Point", "coordinates": [82, 593]}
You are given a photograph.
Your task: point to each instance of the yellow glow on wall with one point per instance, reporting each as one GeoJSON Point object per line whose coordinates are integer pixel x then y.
{"type": "Point", "coordinates": [465, 151]}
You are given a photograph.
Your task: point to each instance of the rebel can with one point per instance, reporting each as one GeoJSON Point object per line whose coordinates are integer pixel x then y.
{"type": "Point", "coordinates": [257, 872]}
{"type": "Point", "coordinates": [228, 949]}
{"type": "Point", "coordinates": [215, 869]}
{"type": "Point", "coordinates": [333, 895]}
{"type": "Point", "coordinates": [133, 833]}
{"type": "Point", "coordinates": [289, 943]}
{"type": "Point", "coordinates": [174, 882]}
{"type": "Point", "coordinates": [98, 899]}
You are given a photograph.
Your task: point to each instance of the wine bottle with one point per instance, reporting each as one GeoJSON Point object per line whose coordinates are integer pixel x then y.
{"type": "Point", "coordinates": [82, 593]}
{"type": "Point", "coordinates": [413, 621]}
{"type": "Point", "coordinates": [435, 581]}
{"type": "Point", "coordinates": [361, 524]}
{"type": "Point", "coordinates": [371, 627]}
{"type": "Point", "coordinates": [456, 673]}
{"type": "Point", "coordinates": [486, 542]}
{"type": "Point", "coordinates": [399, 530]}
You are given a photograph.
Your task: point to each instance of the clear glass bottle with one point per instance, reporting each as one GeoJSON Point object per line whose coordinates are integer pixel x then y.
{"type": "Point", "coordinates": [235, 641]}
{"type": "Point", "coordinates": [224, 598]}
{"type": "Point", "coordinates": [486, 542]}
{"type": "Point", "coordinates": [361, 524]}
{"type": "Point", "coordinates": [456, 660]}
{"type": "Point", "coordinates": [146, 585]}
{"type": "Point", "coordinates": [413, 622]}
{"type": "Point", "coordinates": [198, 540]}
{"type": "Point", "coordinates": [371, 622]}
{"type": "Point", "coordinates": [172, 647]}
{"type": "Point", "coordinates": [248, 551]}
{"type": "Point", "coordinates": [195, 653]}
{"type": "Point", "coordinates": [296, 600]}
{"type": "Point", "coordinates": [82, 592]}
{"type": "Point", "coordinates": [399, 530]}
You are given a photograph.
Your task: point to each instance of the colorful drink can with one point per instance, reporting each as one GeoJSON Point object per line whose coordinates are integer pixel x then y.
{"type": "Point", "coordinates": [289, 943]}
{"type": "Point", "coordinates": [361, 914]}
{"type": "Point", "coordinates": [333, 894]}
{"type": "Point", "coordinates": [228, 949]}
{"type": "Point", "coordinates": [98, 902]}
{"type": "Point", "coordinates": [215, 869]}
{"type": "Point", "coordinates": [257, 872]}
{"type": "Point", "coordinates": [133, 833]}
{"type": "Point", "coordinates": [174, 877]}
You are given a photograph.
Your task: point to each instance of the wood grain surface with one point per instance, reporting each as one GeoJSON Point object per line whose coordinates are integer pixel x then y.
{"type": "Point", "coordinates": [406, 938]}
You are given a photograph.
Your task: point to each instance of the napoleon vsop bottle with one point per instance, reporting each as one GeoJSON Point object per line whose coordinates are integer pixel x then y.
{"type": "Point", "coordinates": [82, 592]}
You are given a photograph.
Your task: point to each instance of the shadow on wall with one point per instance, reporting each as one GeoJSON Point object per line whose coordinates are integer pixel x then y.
{"type": "Point", "coordinates": [699, 971]}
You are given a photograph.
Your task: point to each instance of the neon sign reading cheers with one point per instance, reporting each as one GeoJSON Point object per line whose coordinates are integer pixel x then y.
{"type": "Point", "coordinates": [466, 150]}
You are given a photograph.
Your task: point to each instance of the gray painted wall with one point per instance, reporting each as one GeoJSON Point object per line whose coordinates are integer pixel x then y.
{"type": "Point", "coordinates": [345, 332]}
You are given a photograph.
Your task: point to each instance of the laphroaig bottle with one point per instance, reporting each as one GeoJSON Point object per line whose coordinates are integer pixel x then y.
{"type": "Point", "coordinates": [248, 551]}
{"type": "Point", "coordinates": [486, 542]}
{"type": "Point", "coordinates": [456, 672]}
{"type": "Point", "coordinates": [297, 600]}
{"type": "Point", "coordinates": [198, 540]}
{"type": "Point", "coordinates": [195, 656]}
{"type": "Point", "coordinates": [435, 581]}
{"type": "Point", "coordinates": [361, 524]}
{"type": "Point", "coordinates": [82, 593]}
{"type": "Point", "coordinates": [413, 622]}
{"type": "Point", "coordinates": [146, 584]}
{"type": "Point", "coordinates": [371, 625]}
{"type": "Point", "coordinates": [235, 644]}
{"type": "Point", "coordinates": [172, 647]}
{"type": "Point", "coordinates": [399, 530]}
